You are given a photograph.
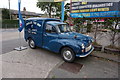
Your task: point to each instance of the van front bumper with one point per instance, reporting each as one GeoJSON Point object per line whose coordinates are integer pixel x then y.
{"type": "Point", "coordinates": [85, 53]}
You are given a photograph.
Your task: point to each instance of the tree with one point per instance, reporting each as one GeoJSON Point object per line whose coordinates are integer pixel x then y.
{"type": "Point", "coordinates": [78, 23]}
{"type": "Point", "coordinates": [96, 32]}
{"type": "Point", "coordinates": [50, 7]}
{"type": "Point", "coordinates": [5, 14]}
{"type": "Point", "coordinates": [67, 10]}
{"type": "Point", "coordinates": [112, 24]}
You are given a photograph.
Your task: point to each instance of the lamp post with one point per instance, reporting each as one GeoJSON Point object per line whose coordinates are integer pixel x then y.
{"type": "Point", "coordinates": [9, 9]}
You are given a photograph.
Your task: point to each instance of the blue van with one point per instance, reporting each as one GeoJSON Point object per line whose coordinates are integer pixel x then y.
{"type": "Point", "coordinates": [56, 36]}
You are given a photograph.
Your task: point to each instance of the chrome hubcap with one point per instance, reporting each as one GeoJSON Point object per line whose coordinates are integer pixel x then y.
{"type": "Point", "coordinates": [67, 55]}
{"type": "Point", "coordinates": [32, 43]}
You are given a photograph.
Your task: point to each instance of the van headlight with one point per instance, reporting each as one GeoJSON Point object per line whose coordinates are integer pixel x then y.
{"type": "Point", "coordinates": [82, 46]}
{"type": "Point", "coordinates": [92, 40]}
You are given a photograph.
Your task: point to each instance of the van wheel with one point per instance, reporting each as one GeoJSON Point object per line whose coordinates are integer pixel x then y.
{"type": "Point", "coordinates": [32, 43]}
{"type": "Point", "coordinates": [67, 54]}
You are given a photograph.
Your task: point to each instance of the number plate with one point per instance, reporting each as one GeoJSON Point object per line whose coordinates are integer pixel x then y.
{"type": "Point", "coordinates": [88, 48]}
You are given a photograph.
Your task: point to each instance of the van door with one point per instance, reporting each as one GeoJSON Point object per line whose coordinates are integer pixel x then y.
{"type": "Point", "coordinates": [36, 33]}
{"type": "Point", "coordinates": [50, 37]}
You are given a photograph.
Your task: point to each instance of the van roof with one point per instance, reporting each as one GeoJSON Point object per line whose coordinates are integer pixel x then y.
{"type": "Point", "coordinates": [38, 18]}
{"type": "Point", "coordinates": [55, 23]}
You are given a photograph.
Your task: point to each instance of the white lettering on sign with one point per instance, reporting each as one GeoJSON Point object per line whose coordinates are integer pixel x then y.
{"type": "Point", "coordinates": [39, 25]}
{"type": "Point", "coordinates": [34, 29]}
{"type": "Point", "coordinates": [74, 4]}
{"type": "Point", "coordinates": [28, 23]}
{"type": "Point", "coordinates": [97, 5]}
{"type": "Point", "coordinates": [35, 23]}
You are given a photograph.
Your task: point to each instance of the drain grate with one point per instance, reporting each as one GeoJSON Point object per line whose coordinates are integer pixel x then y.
{"type": "Point", "coordinates": [71, 67]}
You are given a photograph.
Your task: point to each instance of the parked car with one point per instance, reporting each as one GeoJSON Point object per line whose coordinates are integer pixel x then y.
{"type": "Point", "coordinates": [56, 36]}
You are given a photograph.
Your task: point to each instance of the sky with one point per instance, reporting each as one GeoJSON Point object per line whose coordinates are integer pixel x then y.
{"type": "Point", "coordinates": [29, 4]}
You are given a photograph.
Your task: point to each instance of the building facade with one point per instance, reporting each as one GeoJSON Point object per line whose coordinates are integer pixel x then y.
{"type": "Point", "coordinates": [25, 14]}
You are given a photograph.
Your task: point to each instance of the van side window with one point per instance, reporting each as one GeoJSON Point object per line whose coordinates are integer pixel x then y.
{"type": "Point", "coordinates": [50, 29]}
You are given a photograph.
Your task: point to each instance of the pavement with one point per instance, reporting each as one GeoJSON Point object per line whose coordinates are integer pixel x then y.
{"type": "Point", "coordinates": [28, 63]}
{"type": "Point", "coordinates": [107, 56]}
{"type": "Point", "coordinates": [40, 63]}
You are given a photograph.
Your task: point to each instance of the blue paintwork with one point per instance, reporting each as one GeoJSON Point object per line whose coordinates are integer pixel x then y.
{"type": "Point", "coordinates": [55, 23]}
{"type": "Point", "coordinates": [35, 29]}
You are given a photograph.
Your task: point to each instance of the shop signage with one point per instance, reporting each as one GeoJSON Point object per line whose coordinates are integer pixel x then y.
{"type": "Point", "coordinates": [81, 9]}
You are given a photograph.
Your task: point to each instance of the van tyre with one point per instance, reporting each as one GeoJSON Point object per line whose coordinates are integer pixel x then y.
{"type": "Point", "coordinates": [31, 43]}
{"type": "Point", "coordinates": [68, 54]}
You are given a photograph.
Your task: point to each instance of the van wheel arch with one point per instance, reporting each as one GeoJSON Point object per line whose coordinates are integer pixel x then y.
{"type": "Point", "coordinates": [29, 38]}
{"type": "Point", "coordinates": [67, 54]}
{"type": "Point", "coordinates": [31, 43]}
{"type": "Point", "coordinates": [65, 47]}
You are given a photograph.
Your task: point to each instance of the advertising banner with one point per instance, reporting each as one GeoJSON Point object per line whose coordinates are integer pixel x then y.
{"type": "Point", "coordinates": [51, 0]}
{"type": "Point", "coordinates": [80, 9]}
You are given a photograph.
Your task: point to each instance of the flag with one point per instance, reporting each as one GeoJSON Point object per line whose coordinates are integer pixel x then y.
{"type": "Point", "coordinates": [21, 21]}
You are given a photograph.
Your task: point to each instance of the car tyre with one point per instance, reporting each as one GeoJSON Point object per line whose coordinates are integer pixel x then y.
{"type": "Point", "coordinates": [68, 54]}
{"type": "Point", "coordinates": [31, 43]}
